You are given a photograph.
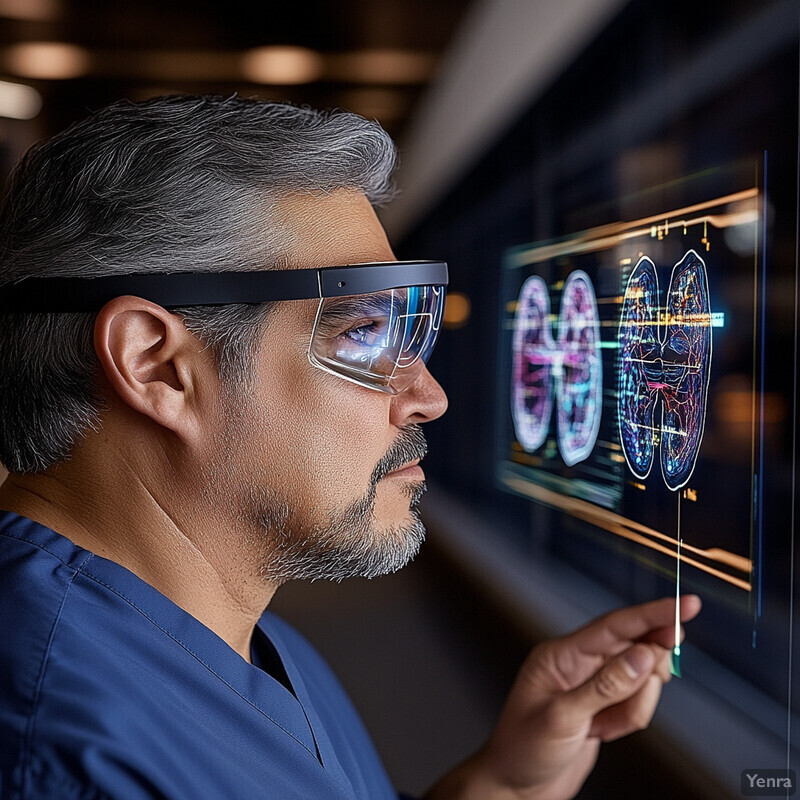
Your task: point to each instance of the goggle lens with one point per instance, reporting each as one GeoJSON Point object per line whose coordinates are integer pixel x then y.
{"type": "Point", "coordinates": [380, 340]}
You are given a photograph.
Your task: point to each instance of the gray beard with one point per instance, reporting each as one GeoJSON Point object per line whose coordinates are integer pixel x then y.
{"type": "Point", "coordinates": [346, 545]}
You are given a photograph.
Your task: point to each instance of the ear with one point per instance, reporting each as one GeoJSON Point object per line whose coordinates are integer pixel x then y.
{"type": "Point", "coordinates": [151, 361]}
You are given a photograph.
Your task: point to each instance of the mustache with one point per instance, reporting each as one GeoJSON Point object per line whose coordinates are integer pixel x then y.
{"type": "Point", "coordinates": [410, 444]}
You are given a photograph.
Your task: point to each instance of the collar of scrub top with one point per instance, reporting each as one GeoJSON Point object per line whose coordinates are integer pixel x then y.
{"type": "Point", "coordinates": [62, 295]}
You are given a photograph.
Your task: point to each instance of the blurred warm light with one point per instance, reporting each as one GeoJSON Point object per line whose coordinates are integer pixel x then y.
{"type": "Point", "coordinates": [380, 104]}
{"type": "Point", "coordinates": [275, 65]}
{"type": "Point", "coordinates": [47, 60]}
{"type": "Point", "coordinates": [456, 310]}
{"type": "Point", "coordinates": [380, 66]}
{"type": "Point", "coordinates": [736, 406]}
{"type": "Point", "coordinates": [281, 65]}
{"type": "Point", "coordinates": [32, 10]}
{"type": "Point", "coordinates": [18, 101]}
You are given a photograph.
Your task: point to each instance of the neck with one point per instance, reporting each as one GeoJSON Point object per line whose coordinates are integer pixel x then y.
{"type": "Point", "coordinates": [175, 545]}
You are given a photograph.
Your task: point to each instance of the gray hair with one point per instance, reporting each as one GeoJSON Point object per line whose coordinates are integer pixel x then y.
{"type": "Point", "coordinates": [172, 184]}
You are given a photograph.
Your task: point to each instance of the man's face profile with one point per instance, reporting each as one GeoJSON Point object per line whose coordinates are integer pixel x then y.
{"type": "Point", "coordinates": [318, 473]}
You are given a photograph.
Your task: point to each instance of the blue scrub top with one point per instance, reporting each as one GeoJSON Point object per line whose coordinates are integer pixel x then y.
{"type": "Point", "coordinates": [110, 690]}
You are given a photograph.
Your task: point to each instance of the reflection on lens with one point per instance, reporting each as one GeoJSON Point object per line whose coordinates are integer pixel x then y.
{"type": "Point", "coordinates": [380, 340]}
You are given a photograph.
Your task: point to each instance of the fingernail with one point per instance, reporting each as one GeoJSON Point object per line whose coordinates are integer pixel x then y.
{"type": "Point", "coordinates": [637, 660]}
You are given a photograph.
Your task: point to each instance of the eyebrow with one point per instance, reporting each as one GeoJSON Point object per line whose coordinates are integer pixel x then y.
{"type": "Point", "coordinates": [358, 305]}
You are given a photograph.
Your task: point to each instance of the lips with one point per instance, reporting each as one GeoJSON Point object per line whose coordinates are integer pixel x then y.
{"type": "Point", "coordinates": [410, 469]}
{"type": "Point", "coordinates": [404, 455]}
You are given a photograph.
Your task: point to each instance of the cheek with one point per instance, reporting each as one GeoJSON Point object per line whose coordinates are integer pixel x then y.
{"type": "Point", "coordinates": [322, 436]}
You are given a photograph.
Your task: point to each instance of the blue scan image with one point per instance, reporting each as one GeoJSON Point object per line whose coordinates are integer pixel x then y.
{"type": "Point", "coordinates": [639, 353]}
{"type": "Point", "coordinates": [533, 350]}
{"type": "Point", "coordinates": [567, 373]}
{"type": "Point", "coordinates": [664, 358]}
{"type": "Point", "coordinates": [580, 395]}
{"type": "Point", "coordinates": [687, 369]}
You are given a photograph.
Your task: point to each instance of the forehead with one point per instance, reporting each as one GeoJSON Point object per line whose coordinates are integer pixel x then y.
{"type": "Point", "coordinates": [329, 229]}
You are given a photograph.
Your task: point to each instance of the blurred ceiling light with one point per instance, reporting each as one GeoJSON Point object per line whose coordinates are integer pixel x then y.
{"type": "Point", "coordinates": [18, 101]}
{"type": "Point", "coordinates": [32, 10]}
{"type": "Point", "coordinates": [281, 65]}
{"type": "Point", "coordinates": [47, 60]}
{"type": "Point", "coordinates": [381, 66]}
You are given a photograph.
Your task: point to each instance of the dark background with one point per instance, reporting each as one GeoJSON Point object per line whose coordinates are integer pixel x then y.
{"type": "Point", "coordinates": [663, 91]}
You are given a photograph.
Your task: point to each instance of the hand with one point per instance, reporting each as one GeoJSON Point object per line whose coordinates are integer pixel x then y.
{"type": "Point", "coordinates": [594, 685]}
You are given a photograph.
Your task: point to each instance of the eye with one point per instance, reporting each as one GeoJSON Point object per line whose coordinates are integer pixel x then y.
{"type": "Point", "coordinates": [359, 335]}
{"type": "Point", "coordinates": [366, 332]}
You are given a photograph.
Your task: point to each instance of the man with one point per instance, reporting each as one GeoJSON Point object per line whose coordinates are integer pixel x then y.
{"type": "Point", "coordinates": [201, 401]}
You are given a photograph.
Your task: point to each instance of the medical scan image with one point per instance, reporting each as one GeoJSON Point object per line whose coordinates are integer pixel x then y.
{"type": "Point", "coordinates": [665, 361]}
{"type": "Point", "coordinates": [566, 371]}
{"type": "Point", "coordinates": [633, 368]}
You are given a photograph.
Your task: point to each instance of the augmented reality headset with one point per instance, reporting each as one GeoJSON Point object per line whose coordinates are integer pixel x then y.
{"type": "Point", "coordinates": [376, 324]}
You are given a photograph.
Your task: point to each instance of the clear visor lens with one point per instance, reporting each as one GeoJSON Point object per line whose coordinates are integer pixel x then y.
{"type": "Point", "coordinates": [379, 340]}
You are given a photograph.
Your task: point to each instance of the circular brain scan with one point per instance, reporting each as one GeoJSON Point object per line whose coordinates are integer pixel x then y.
{"type": "Point", "coordinates": [533, 348]}
{"type": "Point", "coordinates": [580, 384]}
{"type": "Point", "coordinates": [666, 361]}
{"type": "Point", "coordinates": [567, 373]}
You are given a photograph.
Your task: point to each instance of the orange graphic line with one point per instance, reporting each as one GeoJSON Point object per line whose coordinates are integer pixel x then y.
{"type": "Point", "coordinates": [606, 236]}
{"type": "Point", "coordinates": [627, 529]}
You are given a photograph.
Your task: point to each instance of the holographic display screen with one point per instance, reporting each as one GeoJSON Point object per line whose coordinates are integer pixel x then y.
{"type": "Point", "coordinates": [629, 383]}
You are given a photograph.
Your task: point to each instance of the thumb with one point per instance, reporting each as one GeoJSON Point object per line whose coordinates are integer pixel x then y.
{"type": "Point", "coordinates": [619, 679]}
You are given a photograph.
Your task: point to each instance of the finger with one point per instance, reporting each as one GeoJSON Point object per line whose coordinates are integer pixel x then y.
{"type": "Point", "coordinates": [634, 714]}
{"type": "Point", "coordinates": [664, 637]}
{"type": "Point", "coordinates": [619, 679]}
{"type": "Point", "coordinates": [663, 668]}
{"type": "Point", "coordinates": [636, 622]}
{"type": "Point", "coordinates": [604, 635]}
{"type": "Point", "coordinates": [565, 663]}
{"type": "Point", "coordinates": [690, 607]}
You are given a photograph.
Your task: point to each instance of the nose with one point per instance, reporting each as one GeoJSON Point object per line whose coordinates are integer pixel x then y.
{"type": "Point", "coordinates": [423, 401]}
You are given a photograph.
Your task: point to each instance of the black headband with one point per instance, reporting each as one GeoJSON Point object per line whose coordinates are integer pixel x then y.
{"type": "Point", "coordinates": [53, 295]}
